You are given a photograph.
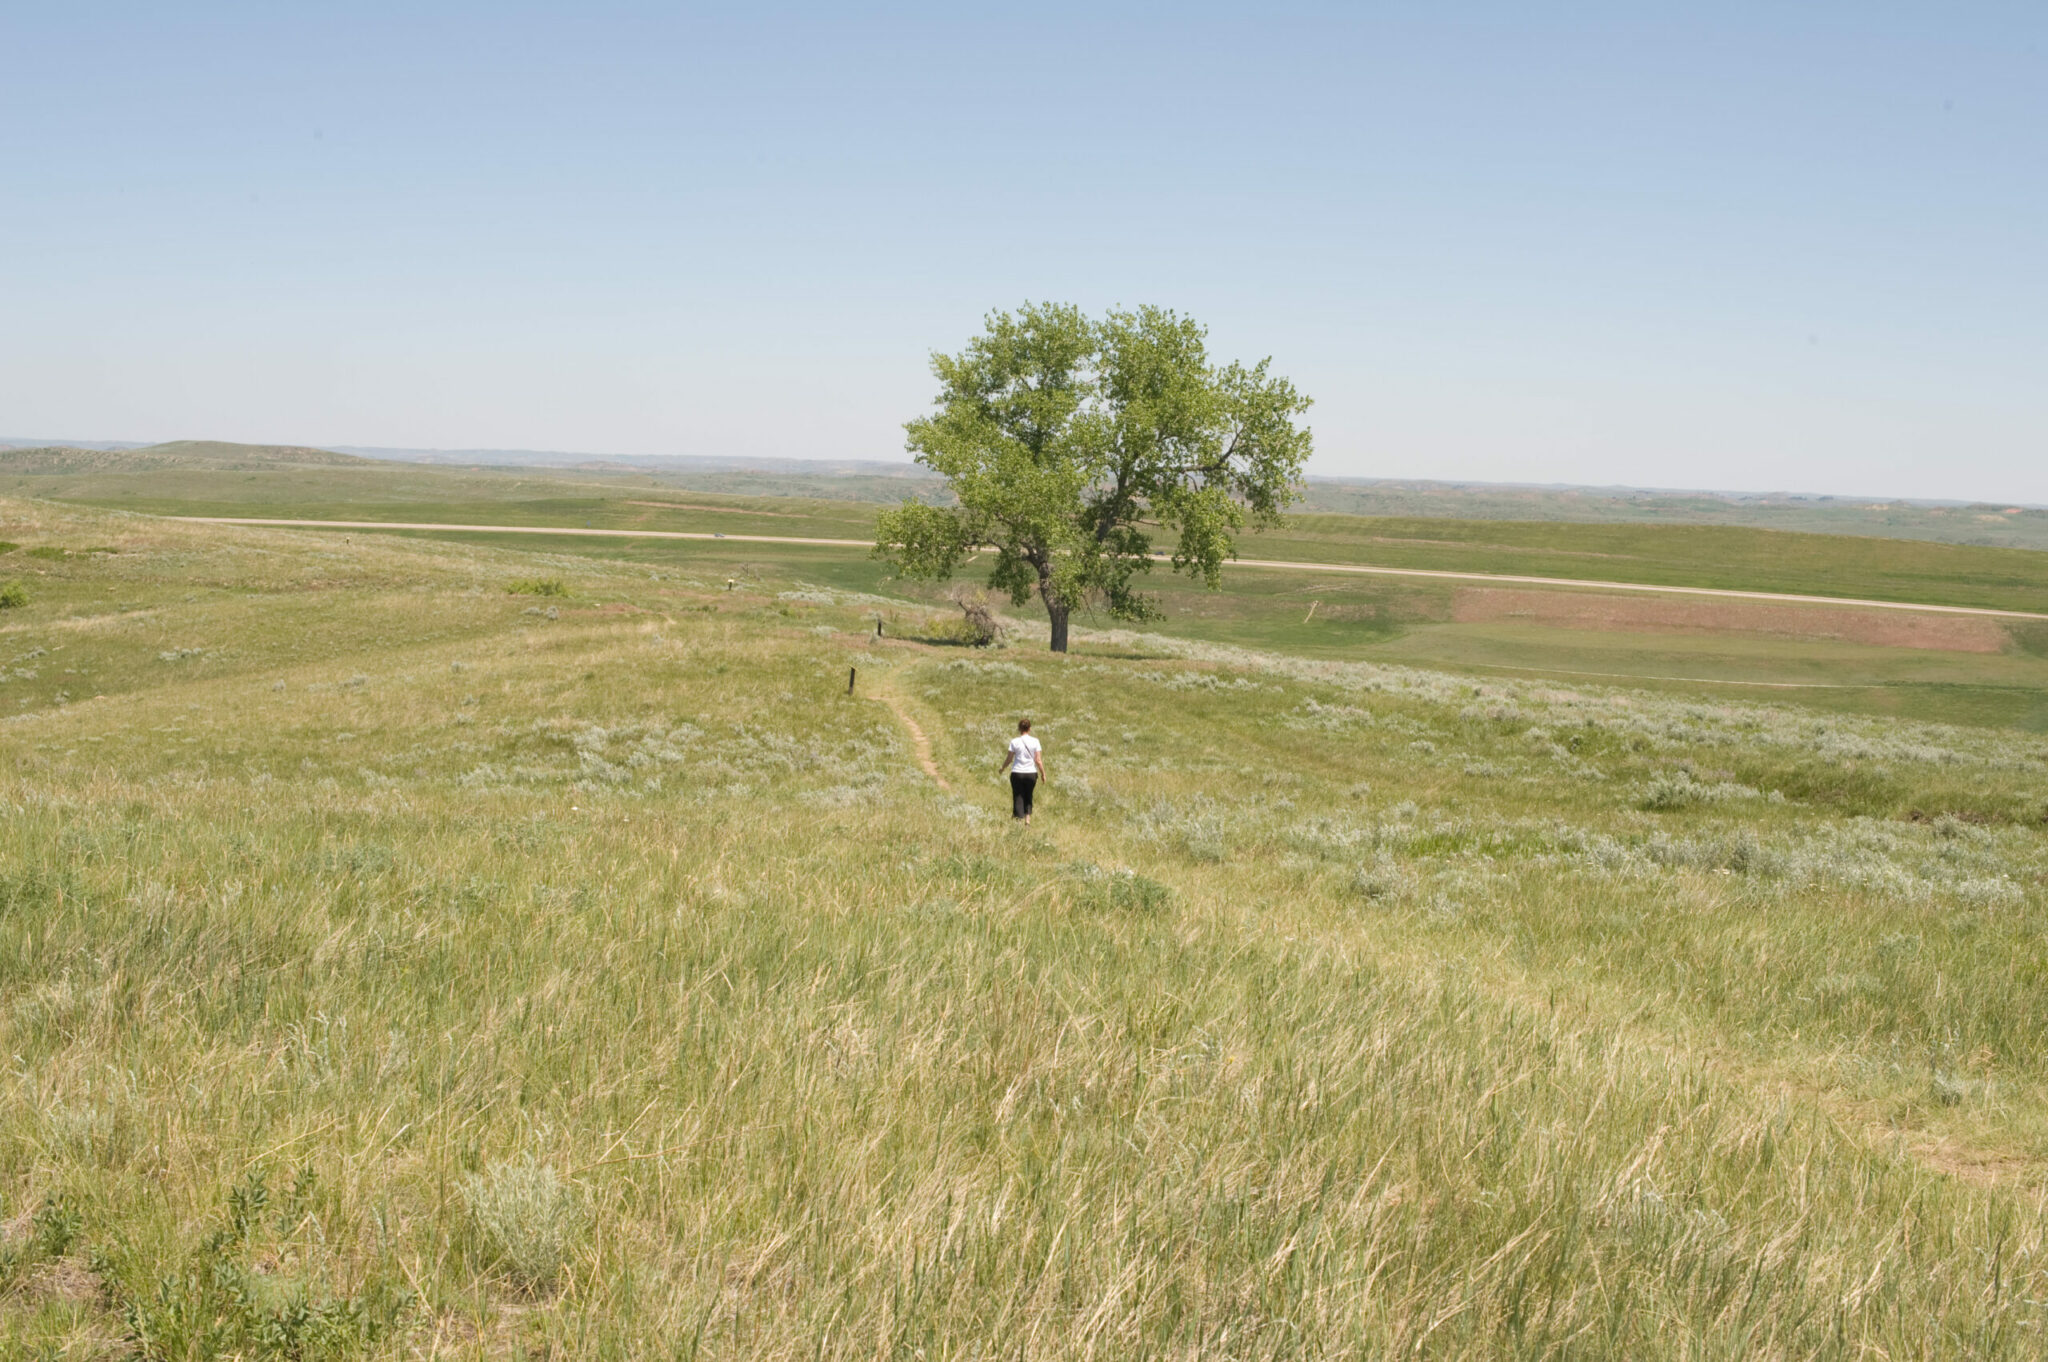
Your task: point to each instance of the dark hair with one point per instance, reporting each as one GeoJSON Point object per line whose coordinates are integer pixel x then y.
{"type": "Point", "coordinates": [1023, 725]}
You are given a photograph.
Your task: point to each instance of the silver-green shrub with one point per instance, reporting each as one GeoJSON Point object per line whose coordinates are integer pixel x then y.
{"type": "Point", "coordinates": [528, 1216]}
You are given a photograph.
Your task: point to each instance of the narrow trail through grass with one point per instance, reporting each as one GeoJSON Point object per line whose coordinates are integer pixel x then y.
{"type": "Point", "coordinates": [918, 740]}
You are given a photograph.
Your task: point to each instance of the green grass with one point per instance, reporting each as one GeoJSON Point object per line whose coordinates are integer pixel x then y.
{"type": "Point", "coordinates": [1316, 614]}
{"type": "Point", "coordinates": [391, 968]}
{"type": "Point", "coordinates": [1996, 523]}
{"type": "Point", "coordinates": [1406, 622]}
{"type": "Point", "coordinates": [89, 474]}
{"type": "Point", "coordinates": [1677, 555]}
{"type": "Point", "coordinates": [1731, 556]}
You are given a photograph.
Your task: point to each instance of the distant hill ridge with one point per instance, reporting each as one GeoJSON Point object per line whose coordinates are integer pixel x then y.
{"type": "Point", "coordinates": [694, 463]}
{"type": "Point", "coordinates": [1989, 524]}
{"type": "Point", "coordinates": [203, 454]}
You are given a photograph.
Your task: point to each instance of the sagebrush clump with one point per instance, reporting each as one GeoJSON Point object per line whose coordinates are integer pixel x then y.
{"type": "Point", "coordinates": [528, 1217]}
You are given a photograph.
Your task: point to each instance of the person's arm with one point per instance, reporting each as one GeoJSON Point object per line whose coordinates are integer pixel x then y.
{"type": "Point", "coordinates": [1004, 765]}
{"type": "Point", "coordinates": [1038, 755]}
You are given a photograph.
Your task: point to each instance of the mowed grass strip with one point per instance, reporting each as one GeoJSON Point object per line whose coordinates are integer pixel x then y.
{"type": "Point", "coordinates": [429, 972]}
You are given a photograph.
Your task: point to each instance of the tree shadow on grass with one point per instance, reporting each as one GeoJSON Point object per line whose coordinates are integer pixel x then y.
{"type": "Point", "coordinates": [1123, 655]}
{"type": "Point", "coordinates": [941, 639]}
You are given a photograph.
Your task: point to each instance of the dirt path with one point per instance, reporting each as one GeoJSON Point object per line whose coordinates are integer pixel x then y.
{"type": "Point", "coordinates": [917, 737]}
{"type": "Point", "coordinates": [1725, 593]}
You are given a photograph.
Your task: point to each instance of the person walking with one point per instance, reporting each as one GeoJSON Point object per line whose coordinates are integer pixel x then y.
{"type": "Point", "coordinates": [1025, 761]}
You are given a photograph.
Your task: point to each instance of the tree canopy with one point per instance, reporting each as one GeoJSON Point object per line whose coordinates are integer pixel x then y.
{"type": "Point", "coordinates": [1070, 441]}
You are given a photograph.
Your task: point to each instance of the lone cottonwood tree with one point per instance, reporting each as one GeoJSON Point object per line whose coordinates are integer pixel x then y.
{"type": "Point", "coordinates": [1067, 439]}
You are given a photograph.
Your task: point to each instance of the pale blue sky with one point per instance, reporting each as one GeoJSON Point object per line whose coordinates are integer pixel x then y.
{"type": "Point", "coordinates": [1733, 245]}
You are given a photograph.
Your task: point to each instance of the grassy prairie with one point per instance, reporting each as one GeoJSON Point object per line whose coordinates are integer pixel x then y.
{"type": "Point", "coordinates": [93, 473]}
{"type": "Point", "coordinates": [1676, 555]}
{"type": "Point", "coordinates": [2019, 527]}
{"type": "Point", "coordinates": [1409, 622]}
{"type": "Point", "coordinates": [1730, 556]}
{"type": "Point", "coordinates": [394, 965]}
{"type": "Point", "coordinates": [1317, 614]}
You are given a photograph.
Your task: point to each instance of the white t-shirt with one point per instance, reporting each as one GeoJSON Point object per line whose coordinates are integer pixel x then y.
{"type": "Point", "coordinates": [1024, 755]}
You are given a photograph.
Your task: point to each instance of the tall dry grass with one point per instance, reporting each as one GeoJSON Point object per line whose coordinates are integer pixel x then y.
{"type": "Point", "coordinates": [403, 973]}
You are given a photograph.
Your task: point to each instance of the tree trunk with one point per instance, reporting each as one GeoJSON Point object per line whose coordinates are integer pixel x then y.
{"type": "Point", "coordinates": [1057, 610]}
{"type": "Point", "coordinates": [1059, 614]}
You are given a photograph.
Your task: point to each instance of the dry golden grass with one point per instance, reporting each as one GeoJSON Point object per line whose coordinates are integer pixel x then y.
{"type": "Point", "coordinates": [392, 968]}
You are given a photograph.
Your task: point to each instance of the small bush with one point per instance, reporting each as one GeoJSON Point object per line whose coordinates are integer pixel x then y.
{"type": "Point", "coordinates": [956, 633]}
{"type": "Point", "coordinates": [1123, 891]}
{"type": "Point", "coordinates": [1674, 791]}
{"type": "Point", "coordinates": [528, 1216]}
{"type": "Point", "coordinates": [13, 594]}
{"type": "Point", "coordinates": [1680, 790]}
{"type": "Point", "coordinates": [1382, 879]}
{"type": "Point", "coordinates": [1128, 891]}
{"type": "Point", "coordinates": [8, 546]}
{"type": "Point", "coordinates": [978, 627]}
{"type": "Point", "coordinates": [54, 1228]}
{"type": "Point", "coordinates": [49, 553]}
{"type": "Point", "coordinates": [537, 586]}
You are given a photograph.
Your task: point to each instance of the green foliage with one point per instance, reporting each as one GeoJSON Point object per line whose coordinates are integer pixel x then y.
{"type": "Point", "coordinates": [54, 1228]}
{"type": "Point", "coordinates": [49, 553]}
{"type": "Point", "coordinates": [219, 1302]}
{"type": "Point", "coordinates": [7, 546]}
{"type": "Point", "coordinates": [13, 595]}
{"type": "Point", "coordinates": [1065, 439]}
{"type": "Point", "coordinates": [537, 586]}
{"type": "Point", "coordinates": [961, 633]}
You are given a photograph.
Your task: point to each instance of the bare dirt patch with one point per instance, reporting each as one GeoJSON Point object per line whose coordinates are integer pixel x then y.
{"type": "Point", "coordinates": [67, 1279]}
{"type": "Point", "coordinates": [1627, 614]}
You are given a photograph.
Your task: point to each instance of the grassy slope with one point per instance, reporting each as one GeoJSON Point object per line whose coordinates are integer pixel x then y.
{"type": "Point", "coordinates": [1330, 1010]}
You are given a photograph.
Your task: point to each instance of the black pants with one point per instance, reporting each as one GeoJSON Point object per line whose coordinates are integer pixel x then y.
{"type": "Point", "coordinates": [1021, 787]}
